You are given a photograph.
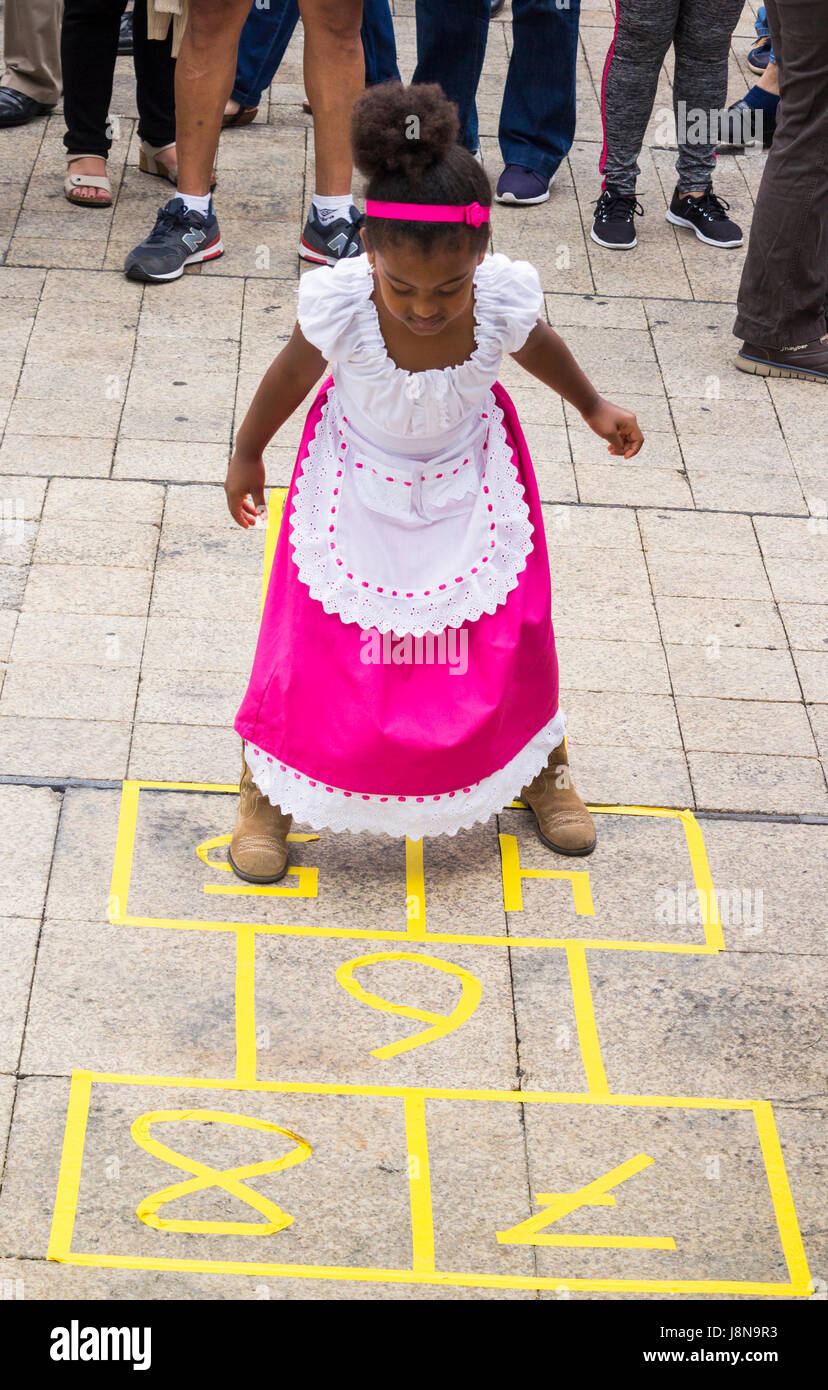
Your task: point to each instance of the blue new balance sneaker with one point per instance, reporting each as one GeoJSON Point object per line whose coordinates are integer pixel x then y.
{"type": "Point", "coordinates": [340, 239]}
{"type": "Point", "coordinates": [180, 237]}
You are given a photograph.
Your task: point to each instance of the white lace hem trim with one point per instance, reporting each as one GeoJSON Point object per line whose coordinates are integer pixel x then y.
{"type": "Point", "coordinates": [450, 599]}
{"type": "Point", "coordinates": [331, 808]}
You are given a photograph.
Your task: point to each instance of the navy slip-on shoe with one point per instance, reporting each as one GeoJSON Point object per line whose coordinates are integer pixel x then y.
{"type": "Point", "coordinates": [517, 184]}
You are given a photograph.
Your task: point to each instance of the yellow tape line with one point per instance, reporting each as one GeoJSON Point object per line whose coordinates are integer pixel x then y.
{"type": "Point", "coordinates": [585, 1020]}
{"type": "Point", "coordinates": [594, 1194]}
{"type": "Point", "coordinates": [246, 1005]}
{"type": "Point", "coordinates": [783, 1203]}
{"type": "Point", "coordinates": [361, 1274]}
{"type": "Point", "coordinates": [275, 505]}
{"type": "Point", "coordinates": [71, 1164]}
{"type": "Point", "coordinates": [419, 1185]}
{"type": "Point", "coordinates": [415, 909]}
{"type": "Point", "coordinates": [442, 1024]}
{"type": "Point", "coordinates": [230, 1180]}
{"type": "Point", "coordinates": [512, 874]}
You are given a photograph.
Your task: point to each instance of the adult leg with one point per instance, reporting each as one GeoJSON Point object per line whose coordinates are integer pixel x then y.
{"type": "Point", "coordinates": [537, 118]}
{"type": "Point", "coordinates": [155, 83]}
{"type": "Point", "coordinates": [89, 48]}
{"type": "Point", "coordinates": [262, 46]}
{"type": "Point", "coordinates": [784, 289]}
{"type": "Point", "coordinates": [451, 46]}
{"type": "Point", "coordinates": [702, 44]}
{"type": "Point", "coordinates": [186, 231]}
{"type": "Point", "coordinates": [334, 78]}
{"type": "Point", "coordinates": [32, 49]}
{"type": "Point", "coordinates": [379, 44]}
{"type": "Point", "coordinates": [204, 76]}
{"type": "Point", "coordinates": [643, 33]}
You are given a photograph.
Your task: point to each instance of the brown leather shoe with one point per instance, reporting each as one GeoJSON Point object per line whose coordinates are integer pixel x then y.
{"type": "Point", "coordinates": [258, 851]}
{"type": "Point", "coordinates": [808, 362]}
{"type": "Point", "coordinates": [563, 821]}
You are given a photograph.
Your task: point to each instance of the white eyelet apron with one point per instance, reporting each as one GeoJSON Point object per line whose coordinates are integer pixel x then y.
{"type": "Point", "coordinates": [410, 516]}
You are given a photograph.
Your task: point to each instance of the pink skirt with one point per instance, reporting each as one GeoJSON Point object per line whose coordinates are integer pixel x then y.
{"type": "Point", "coordinates": [420, 740]}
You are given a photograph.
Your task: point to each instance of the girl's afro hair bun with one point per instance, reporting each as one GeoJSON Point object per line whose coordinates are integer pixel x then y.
{"type": "Point", "coordinates": [402, 129]}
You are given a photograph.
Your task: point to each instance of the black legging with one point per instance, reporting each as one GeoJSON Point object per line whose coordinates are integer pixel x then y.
{"type": "Point", "coordinates": [89, 47]}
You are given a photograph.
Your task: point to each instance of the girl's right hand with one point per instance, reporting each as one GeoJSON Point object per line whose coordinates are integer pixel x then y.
{"type": "Point", "coordinates": [244, 487]}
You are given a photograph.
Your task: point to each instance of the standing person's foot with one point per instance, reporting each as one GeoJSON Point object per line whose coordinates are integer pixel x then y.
{"type": "Point", "coordinates": [759, 57]}
{"type": "Point", "coordinates": [125, 46]}
{"type": "Point", "coordinates": [563, 821]}
{"type": "Point", "coordinates": [614, 222]}
{"type": "Point", "coordinates": [18, 109]}
{"type": "Point", "coordinates": [517, 184]}
{"type": "Point", "coordinates": [707, 215]}
{"type": "Point", "coordinates": [86, 181]}
{"type": "Point", "coordinates": [808, 362]}
{"type": "Point", "coordinates": [236, 115]}
{"type": "Point", "coordinates": [258, 850]}
{"type": "Point", "coordinates": [327, 243]}
{"type": "Point", "coordinates": [180, 237]}
{"type": "Point", "coordinates": [750, 119]}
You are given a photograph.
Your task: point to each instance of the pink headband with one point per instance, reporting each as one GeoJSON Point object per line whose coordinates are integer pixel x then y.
{"type": "Point", "coordinates": [471, 213]}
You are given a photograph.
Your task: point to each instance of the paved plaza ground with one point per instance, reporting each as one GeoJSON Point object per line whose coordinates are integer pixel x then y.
{"type": "Point", "coordinates": [623, 1093]}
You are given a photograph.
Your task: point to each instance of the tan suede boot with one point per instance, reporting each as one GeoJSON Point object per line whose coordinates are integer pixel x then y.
{"type": "Point", "coordinates": [564, 823]}
{"type": "Point", "coordinates": [258, 851]}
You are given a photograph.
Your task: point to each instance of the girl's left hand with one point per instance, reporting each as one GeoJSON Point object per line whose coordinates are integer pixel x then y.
{"type": "Point", "coordinates": [618, 426]}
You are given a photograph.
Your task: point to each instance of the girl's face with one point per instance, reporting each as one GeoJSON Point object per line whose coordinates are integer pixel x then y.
{"type": "Point", "coordinates": [426, 293]}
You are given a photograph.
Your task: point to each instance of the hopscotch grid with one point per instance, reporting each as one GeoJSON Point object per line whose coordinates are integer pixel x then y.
{"type": "Point", "coordinates": [414, 1098]}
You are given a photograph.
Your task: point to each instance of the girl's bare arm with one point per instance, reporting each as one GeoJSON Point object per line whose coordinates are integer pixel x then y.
{"type": "Point", "coordinates": [547, 357]}
{"type": "Point", "coordinates": [283, 387]}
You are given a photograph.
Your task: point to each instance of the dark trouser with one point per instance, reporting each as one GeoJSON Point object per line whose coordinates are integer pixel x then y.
{"type": "Point", "coordinates": [451, 46]}
{"type": "Point", "coordinates": [783, 297]}
{"type": "Point", "coordinates": [267, 33]}
{"type": "Point", "coordinates": [537, 118]}
{"type": "Point", "coordinates": [89, 48]}
{"type": "Point", "coordinates": [700, 32]}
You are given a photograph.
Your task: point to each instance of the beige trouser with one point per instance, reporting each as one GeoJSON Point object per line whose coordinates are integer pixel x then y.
{"type": "Point", "coordinates": [32, 48]}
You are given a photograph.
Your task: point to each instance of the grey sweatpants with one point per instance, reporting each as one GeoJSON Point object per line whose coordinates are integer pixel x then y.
{"type": "Point", "coordinates": [700, 32]}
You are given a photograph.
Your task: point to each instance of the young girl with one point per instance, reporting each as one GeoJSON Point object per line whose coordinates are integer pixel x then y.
{"type": "Point", "coordinates": [413, 513]}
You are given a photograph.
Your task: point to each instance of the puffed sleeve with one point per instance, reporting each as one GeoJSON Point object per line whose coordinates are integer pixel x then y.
{"type": "Point", "coordinates": [508, 301]}
{"type": "Point", "coordinates": [330, 301]}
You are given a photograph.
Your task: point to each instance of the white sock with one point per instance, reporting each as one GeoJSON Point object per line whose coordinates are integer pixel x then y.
{"type": "Point", "coordinates": [196, 202]}
{"type": "Point", "coordinates": [330, 206]}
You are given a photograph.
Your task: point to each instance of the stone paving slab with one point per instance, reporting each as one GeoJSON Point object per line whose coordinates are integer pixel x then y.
{"type": "Point", "coordinates": [661, 999]}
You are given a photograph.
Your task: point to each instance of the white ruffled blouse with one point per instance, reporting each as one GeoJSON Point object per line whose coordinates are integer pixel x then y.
{"type": "Point", "coordinates": [410, 515]}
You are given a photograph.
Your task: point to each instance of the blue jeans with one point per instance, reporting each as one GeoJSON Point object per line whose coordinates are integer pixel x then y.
{"type": "Point", "coordinates": [268, 31]}
{"type": "Point", "coordinates": [537, 118]}
{"type": "Point", "coordinates": [763, 28]}
{"type": "Point", "coordinates": [451, 46]}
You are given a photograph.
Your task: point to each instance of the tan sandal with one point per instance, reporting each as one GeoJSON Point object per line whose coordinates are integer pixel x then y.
{"type": "Point", "coordinates": [73, 182]}
{"type": "Point", "coordinates": [149, 163]}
